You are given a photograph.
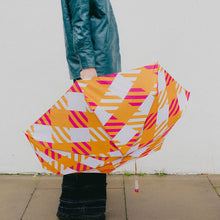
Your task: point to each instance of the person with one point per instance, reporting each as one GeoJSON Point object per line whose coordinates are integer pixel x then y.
{"type": "Point", "coordinates": [92, 49]}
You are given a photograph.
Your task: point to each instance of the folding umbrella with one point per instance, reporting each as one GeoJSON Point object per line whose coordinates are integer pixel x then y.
{"type": "Point", "coordinates": [102, 123]}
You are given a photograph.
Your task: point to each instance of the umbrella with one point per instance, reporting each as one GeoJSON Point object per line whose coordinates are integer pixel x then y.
{"type": "Point", "coordinates": [102, 123]}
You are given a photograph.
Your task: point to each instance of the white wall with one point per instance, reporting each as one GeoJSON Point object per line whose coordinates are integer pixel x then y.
{"type": "Point", "coordinates": [182, 35]}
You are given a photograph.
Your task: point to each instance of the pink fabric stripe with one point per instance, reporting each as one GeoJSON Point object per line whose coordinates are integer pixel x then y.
{"type": "Point", "coordinates": [46, 151]}
{"type": "Point", "coordinates": [168, 83]}
{"type": "Point", "coordinates": [113, 118]}
{"type": "Point", "coordinates": [87, 146]}
{"type": "Point", "coordinates": [47, 118]}
{"type": "Point", "coordinates": [112, 130]}
{"type": "Point", "coordinates": [52, 155]}
{"type": "Point", "coordinates": [187, 95]}
{"type": "Point", "coordinates": [149, 142]}
{"type": "Point", "coordinates": [166, 77]}
{"type": "Point", "coordinates": [78, 119]}
{"type": "Point", "coordinates": [83, 116]}
{"type": "Point", "coordinates": [84, 167]}
{"type": "Point", "coordinates": [136, 90]}
{"type": "Point", "coordinates": [83, 150]}
{"type": "Point", "coordinates": [146, 152]}
{"type": "Point", "coordinates": [176, 110]}
{"type": "Point", "coordinates": [115, 124]}
{"type": "Point", "coordinates": [154, 122]}
{"type": "Point", "coordinates": [113, 145]}
{"type": "Point", "coordinates": [171, 105]}
{"type": "Point", "coordinates": [59, 156]}
{"type": "Point", "coordinates": [72, 89]}
{"type": "Point", "coordinates": [136, 103]}
{"type": "Point", "coordinates": [50, 145]}
{"type": "Point", "coordinates": [78, 167]}
{"type": "Point", "coordinates": [42, 121]}
{"type": "Point", "coordinates": [78, 87]}
{"type": "Point", "coordinates": [151, 120]}
{"type": "Point", "coordinates": [136, 97]}
{"type": "Point", "coordinates": [104, 82]}
{"type": "Point", "coordinates": [42, 143]}
{"type": "Point", "coordinates": [111, 75]}
{"type": "Point", "coordinates": [72, 122]}
{"type": "Point", "coordinates": [167, 131]}
{"type": "Point", "coordinates": [148, 119]}
{"type": "Point", "coordinates": [176, 102]}
{"type": "Point", "coordinates": [132, 140]}
{"type": "Point", "coordinates": [92, 104]}
{"type": "Point", "coordinates": [75, 151]}
{"type": "Point", "coordinates": [150, 67]}
{"type": "Point", "coordinates": [112, 136]}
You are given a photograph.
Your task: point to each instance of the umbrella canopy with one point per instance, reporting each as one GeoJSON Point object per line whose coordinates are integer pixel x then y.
{"type": "Point", "coordinates": [102, 123]}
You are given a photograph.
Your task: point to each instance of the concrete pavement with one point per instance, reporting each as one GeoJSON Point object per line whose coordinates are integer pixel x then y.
{"type": "Point", "coordinates": [170, 197]}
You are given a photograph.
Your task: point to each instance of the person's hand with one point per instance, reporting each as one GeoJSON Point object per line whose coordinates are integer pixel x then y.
{"type": "Point", "coordinates": [88, 73]}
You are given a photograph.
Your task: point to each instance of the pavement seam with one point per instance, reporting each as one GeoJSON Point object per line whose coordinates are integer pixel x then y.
{"type": "Point", "coordinates": [28, 203]}
{"type": "Point", "coordinates": [213, 186]}
{"type": "Point", "coordinates": [126, 214]}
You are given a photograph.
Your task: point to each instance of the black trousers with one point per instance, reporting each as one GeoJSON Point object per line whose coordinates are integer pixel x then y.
{"type": "Point", "coordinates": [83, 197]}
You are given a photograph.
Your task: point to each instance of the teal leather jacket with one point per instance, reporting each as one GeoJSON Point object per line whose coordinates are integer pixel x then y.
{"type": "Point", "coordinates": [91, 36]}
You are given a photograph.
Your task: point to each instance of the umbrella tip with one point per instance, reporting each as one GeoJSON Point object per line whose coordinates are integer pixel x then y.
{"type": "Point", "coordinates": [136, 191]}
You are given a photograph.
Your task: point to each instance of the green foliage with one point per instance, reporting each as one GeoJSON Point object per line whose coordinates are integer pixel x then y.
{"type": "Point", "coordinates": [160, 173]}
{"type": "Point", "coordinates": [126, 173]}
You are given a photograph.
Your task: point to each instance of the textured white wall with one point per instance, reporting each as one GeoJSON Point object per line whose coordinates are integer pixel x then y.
{"type": "Point", "coordinates": [182, 35]}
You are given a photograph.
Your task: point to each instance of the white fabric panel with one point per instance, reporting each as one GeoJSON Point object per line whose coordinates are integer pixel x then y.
{"type": "Point", "coordinates": [63, 153]}
{"type": "Point", "coordinates": [79, 134]}
{"type": "Point", "coordinates": [102, 115]}
{"type": "Point", "coordinates": [97, 134]}
{"type": "Point", "coordinates": [120, 86]}
{"type": "Point", "coordinates": [162, 114]}
{"type": "Point", "coordinates": [161, 81]}
{"type": "Point", "coordinates": [124, 135]}
{"type": "Point", "coordinates": [111, 100]}
{"type": "Point", "coordinates": [116, 161]}
{"type": "Point", "coordinates": [76, 101]}
{"type": "Point", "coordinates": [182, 100]}
{"type": "Point", "coordinates": [82, 84]}
{"type": "Point", "coordinates": [45, 157]}
{"type": "Point", "coordinates": [139, 152]}
{"type": "Point", "coordinates": [115, 154]}
{"type": "Point", "coordinates": [137, 120]}
{"type": "Point", "coordinates": [92, 162]}
{"type": "Point", "coordinates": [146, 105]}
{"type": "Point", "coordinates": [132, 149]}
{"type": "Point", "coordinates": [66, 171]}
{"type": "Point", "coordinates": [42, 133]}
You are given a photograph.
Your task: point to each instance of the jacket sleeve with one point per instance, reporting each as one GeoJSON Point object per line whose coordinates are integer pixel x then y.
{"type": "Point", "coordinates": [82, 39]}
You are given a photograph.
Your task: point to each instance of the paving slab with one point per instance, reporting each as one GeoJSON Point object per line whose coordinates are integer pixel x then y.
{"type": "Point", "coordinates": [45, 201]}
{"type": "Point", "coordinates": [15, 193]}
{"type": "Point", "coordinates": [50, 182]}
{"type": "Point", "coordinates": [43, 205]}
{"type": "Point", "coordinates": [115, 205]}
{"type": "Point", "coordinates": [172, 198]}
{"type": "Point", "coordinates": [114, 181]}
{"type": "Point", "coordinates": [215, 179]}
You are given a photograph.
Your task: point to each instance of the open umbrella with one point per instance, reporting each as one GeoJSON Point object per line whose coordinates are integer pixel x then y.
{"type": "Point", "coordinates": [100, 124]}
